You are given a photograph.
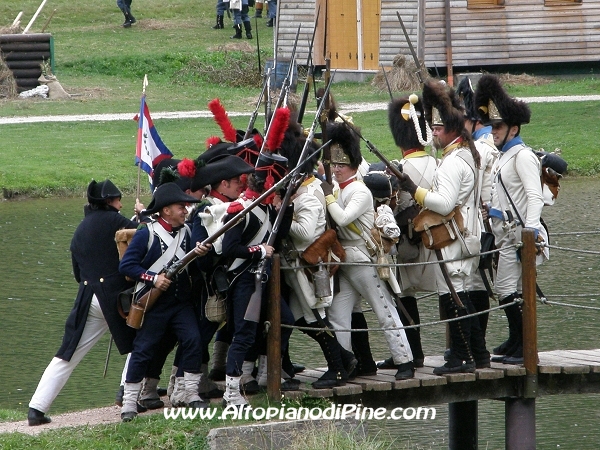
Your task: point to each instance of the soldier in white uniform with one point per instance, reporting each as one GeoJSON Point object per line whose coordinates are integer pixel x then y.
{"type": "Point", "coordinates": [411, 134]}
{"type": "Point", "coordinates": [454, 185]}
{"type": "Point", "coordinates": [479, 291]}
{"type": "Point", "coordinates": [516, 200]}
{"type": "Point", "coordinates": [351, 208]}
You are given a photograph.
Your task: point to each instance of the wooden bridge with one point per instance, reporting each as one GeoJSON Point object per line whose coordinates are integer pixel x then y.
{"type": "Point", "coordinates": [545, 373]}
{"type": "Point", "coordinates": [559, 372]}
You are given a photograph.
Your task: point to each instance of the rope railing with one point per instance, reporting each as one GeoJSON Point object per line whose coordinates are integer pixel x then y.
{"type": "Point", "coordinates": [517, 301]}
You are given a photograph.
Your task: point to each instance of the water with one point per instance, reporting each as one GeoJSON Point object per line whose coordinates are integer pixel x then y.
{"type": "Point", "coordinates": [37, 291]}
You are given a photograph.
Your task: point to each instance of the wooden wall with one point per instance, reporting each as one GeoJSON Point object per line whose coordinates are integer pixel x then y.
{"type": "Point", "coordinates": [521, 32]}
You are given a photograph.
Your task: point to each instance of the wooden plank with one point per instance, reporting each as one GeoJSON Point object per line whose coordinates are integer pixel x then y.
{"type": "Point", "coordinates": [429, 379]}
{"type": "Point", "coordinates": [390, 377]}
{"type": "Point", "coordinates": [489, 374]}
{"type": "Point", "coordinates": [349, 389]}
{"type": "Point", "coordinates": [568, 367]}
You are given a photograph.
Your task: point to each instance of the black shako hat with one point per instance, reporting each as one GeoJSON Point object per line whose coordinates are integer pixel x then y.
{"type": "Point", "coordinates": [220, 168]}
{"type": "Point", "coordinates": [495, 105]}
{"type": "Point", "coordinates": [379, 184]}
{"type": "Point", "coordinates": [402, 124]}
{"type": "Point", "coordinates": [271, 168]}
{"type": "Point", "coordinates": [168, 194]}
{"type": "Point", "coordinates": [98, 193]}
{"type": "Point", "coordinates": [440, 106]}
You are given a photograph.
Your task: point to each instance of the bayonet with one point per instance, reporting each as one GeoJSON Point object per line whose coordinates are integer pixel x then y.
{"type": "Point", "coordinates": [412, 50]}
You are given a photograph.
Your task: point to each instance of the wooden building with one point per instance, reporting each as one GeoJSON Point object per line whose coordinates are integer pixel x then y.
{"type": "Point", "coordinates": [470, 34]}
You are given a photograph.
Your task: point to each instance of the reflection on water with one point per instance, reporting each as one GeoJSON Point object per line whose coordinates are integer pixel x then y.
{"type": "Point", "coordinates": [37, 291]}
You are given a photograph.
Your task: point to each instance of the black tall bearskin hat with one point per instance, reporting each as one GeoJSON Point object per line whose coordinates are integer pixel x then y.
{"type": "Point", "coordinates": [402, 125]}
{"type": "Point", "coordinates": [440, 106]}
{"type": "Point", "coordinates": [168, 194]}
{"type": "Point", "coordinates": [292, 144]}
{"type": "Point", "coordinates": [98, 193]}
{"type": "Point", "coordinates": [345, 145]}
{"type": "Point", "coordinates": [466, 95]}
{"type": "Point", "coordinates": [495, 105]}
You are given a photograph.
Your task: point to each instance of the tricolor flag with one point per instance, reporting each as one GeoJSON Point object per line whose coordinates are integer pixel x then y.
{"type": "Point", "coordinates": [150, 148]}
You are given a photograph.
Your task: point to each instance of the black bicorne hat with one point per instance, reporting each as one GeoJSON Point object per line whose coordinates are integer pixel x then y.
{"type": "Point", "coordinates": [402, 124]}
{"type": "Point", "coordinates": [213, 151]}
{"type": "Point", "coordinates": [166, 172]}
{"type": "Point", "coordinates": [100, 192]}
{"type": "Point", "coordinates": [495, 105]}
{"type": "Point", "coordinates": [345, 144]}
{"type": "Point", "coordinates": [220, 168]}
{"type": "Point", "coordinates": [167, 194]}
{"type": "Point", "coordinates": [440, 106]}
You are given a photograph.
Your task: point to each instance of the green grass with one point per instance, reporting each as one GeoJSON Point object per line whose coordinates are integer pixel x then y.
{"type": "Point", "coordinates": [188, 64]}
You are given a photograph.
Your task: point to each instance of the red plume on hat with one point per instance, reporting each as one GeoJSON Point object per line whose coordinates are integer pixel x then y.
{"type": "Point", "coordinates": [222, 119]}
{"type": "Point", "coordinates": [281, 120]}
{"type": "Point", "coordinates": [186, 168]}
{"type": "Point", "coordinates": [213, 140]}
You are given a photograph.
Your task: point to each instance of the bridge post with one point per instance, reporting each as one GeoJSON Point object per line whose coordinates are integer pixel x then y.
{"type": "Point", "coordinates": [520, 412]}
{"type": "Point", "coordinates": [462, 425]}
{"type": "Point", "coordinates": [274, 334]}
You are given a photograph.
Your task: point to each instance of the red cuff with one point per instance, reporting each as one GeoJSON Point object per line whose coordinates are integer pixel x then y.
{"type": "Point", "coordinates": [147, 277]}
{"type": "Point", "coordinates": [255, 248]}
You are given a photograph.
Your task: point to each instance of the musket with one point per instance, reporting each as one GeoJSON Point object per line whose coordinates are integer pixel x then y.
{"type": "Point", "coordinates": [387, 82]}
{"type": "Point", "coordinates": [309, 73]}
{"type": "Point", "coordinates": [395, 170]}
{"type": "Point", "coordinates": [326, 101]}
{"type": "Point", "coordinates": [253, 309]}
{"type": "Point", "coordinates": [172, 268]}
{"type": "Point", "coordinates": [255, 113]}
{"type": "Point", "coordinates": [257, 46]}
{"type": "Point", "coordinates": [412, 50]}
{"type": "Point", "coordinates": [284, 87]}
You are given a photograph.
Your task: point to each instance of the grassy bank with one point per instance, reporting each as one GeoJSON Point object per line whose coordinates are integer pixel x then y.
{"type": "Point", "coordinates": [188, 64]}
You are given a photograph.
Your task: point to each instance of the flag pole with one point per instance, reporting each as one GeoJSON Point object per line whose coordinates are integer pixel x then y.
{"type": "Point", "coordinates": [138, 147]}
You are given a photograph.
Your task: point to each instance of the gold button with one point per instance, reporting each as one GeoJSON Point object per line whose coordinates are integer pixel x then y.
{"type": "Point", "coordinates": [85, 283]}
{"type": "Point", "coordinates": [101, 280]}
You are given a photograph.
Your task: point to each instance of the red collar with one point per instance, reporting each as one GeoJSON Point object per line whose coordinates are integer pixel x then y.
{"type": "Point", "coordinates": [347, 182]}
{"type": "Point", "coordinates": [166, 225]}
{"type": "Point", "coordinates": [249, 194]}
{"type": "Point", "coordinates": [410, 150]}
{"type": "Point", "coordinates": [219, 196]}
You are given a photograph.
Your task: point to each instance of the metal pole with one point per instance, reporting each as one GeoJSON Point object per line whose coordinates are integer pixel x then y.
{"type": "Point", "coordinates": [519, 417]}
{"type": "Point", "coordinates": [462, 425]}
{"type": "Point", "coordinates": [274, 335]}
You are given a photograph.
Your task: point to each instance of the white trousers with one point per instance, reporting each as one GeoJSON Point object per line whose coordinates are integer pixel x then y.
{"type": "Point", "coordinates": [363, 281]}
{"type": "Point", "coordinates": [58, 371]}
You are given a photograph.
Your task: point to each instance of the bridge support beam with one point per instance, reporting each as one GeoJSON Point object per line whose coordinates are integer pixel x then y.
{"type": "Point", "coordinates": [462, 425]}
{"type": "Point", "coordinates": [519, 419]}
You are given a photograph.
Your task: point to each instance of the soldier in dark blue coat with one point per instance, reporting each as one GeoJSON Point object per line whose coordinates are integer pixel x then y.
{"type": "Point", "coordinates": [96, 269]}
{"type": "Point", "coordinates": [153, 247]}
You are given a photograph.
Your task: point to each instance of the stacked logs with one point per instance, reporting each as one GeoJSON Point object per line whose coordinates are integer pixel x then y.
{"type": "Point", "coordinates": [24, 55]}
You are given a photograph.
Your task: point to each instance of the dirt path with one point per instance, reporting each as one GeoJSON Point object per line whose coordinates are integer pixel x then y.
{"type": "Point", "coordinates": [345, 108]}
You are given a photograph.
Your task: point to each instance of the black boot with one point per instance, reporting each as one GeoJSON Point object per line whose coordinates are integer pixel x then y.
{"type": "Point", "coordinates": [128, 16]}
{"type": "Point", "coordinates": [413, 334]}
{"type": "Point", "coordinates": [336, 374]}
{"type": "Point", "coordinates": [248, 28]}
{"type": "Point", "coordinates": [36, 417]}
{"type": "Point", "coordinates": [503, 348]}
{"type": "Point", "coordinates": [219, 25]}
{"type": "Point", "coordinates": [271, 22]}
{"type": "Point", "coordinates": [361, 347]}
{"type": "Point", "coordinates": [238, 32]}
{"type": "Point", "coordinates": [477, 342]}
{"type": "Point", "coordinates": [127, 22]}
{"type": "Point", "coordinates": [514, 353]}
{"type": "Point", "coordinates": [461, 358]}
{"type": "Point", "coordinates": [481, 302]}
